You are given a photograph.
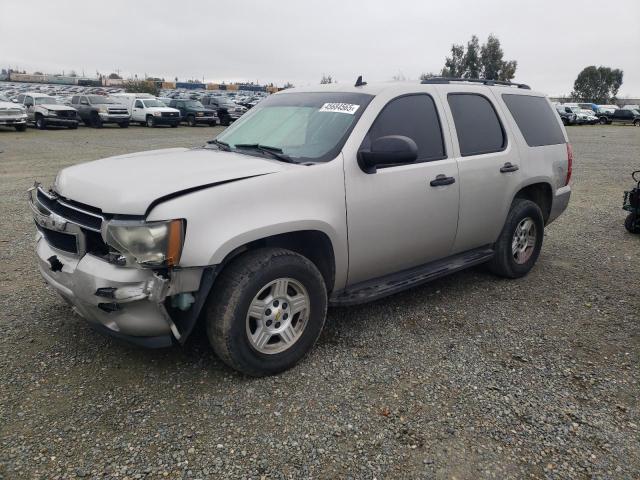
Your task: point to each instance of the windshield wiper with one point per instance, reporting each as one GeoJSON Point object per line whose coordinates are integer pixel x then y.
{"type": "Point", "coordinates": [275, 152]}
{"type": "Point", "coordinates": [221, 145]}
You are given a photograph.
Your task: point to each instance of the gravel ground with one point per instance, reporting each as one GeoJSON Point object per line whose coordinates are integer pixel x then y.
{"type": "Point", "coordinates": [467, 377]}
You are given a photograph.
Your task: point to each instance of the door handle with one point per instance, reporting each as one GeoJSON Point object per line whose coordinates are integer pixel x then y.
{"type": "Point", "coordinates": [441, 180]}
{"type": "Point", "coordinates": [509, 167]}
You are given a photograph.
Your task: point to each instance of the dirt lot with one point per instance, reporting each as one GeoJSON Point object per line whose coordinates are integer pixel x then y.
{"type": "Point", "coordinates": [467, 377]}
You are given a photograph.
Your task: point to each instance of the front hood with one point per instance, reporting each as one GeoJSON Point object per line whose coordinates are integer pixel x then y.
{"type": "Point", "coordinates": [55, 107]}
{"type": "Point", "coordinates": [10, 106]}
{"type": "Point", "coordinates": [129, 184]}
{"type": "Point", "coordinates": [162, 109]}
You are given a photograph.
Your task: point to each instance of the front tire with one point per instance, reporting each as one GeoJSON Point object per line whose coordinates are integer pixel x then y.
{"type": "Point", "coordinates": [96, 121]}
{"type": "Point", "coordinates": [603, 121]}
{"type": "Point", "coordinates": [636, 123]}
{"type": "Point", "coordinates": [266, 311]}
{"type": "Point", "coordinates": [41, 124]}
{"type": "Point", "coordinates": [151, 122]}
{"type": "Point", "coordinates": [20, 128]}
{"type": "Point", "coordinates": [520, 241]}
{"type": "Point", "coordinates": [124, 125]}
{"type": "Point", "coordinates": [191, 121]}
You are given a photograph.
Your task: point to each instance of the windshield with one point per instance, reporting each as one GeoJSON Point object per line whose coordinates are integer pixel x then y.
{"type": "Point", "coordinates": [194, 104]}
{"type": "Point", "coordinates": [3, 99]}
{"type": "Point", "coordinates": [45, 101]}
{"type": "Point", "coordinates": [153, 103]}
{"type": "Point", "coordinates": [305, 126]}
{"type": "Point", "coordinates": [100, 99]}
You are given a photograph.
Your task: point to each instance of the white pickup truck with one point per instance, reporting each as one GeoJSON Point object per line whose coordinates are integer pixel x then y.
{"type": "Point", "coordinates": [148, 110]}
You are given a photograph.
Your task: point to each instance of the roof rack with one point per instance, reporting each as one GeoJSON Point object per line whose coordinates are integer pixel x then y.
{"type": "Point", "coordinates": [483, 81]}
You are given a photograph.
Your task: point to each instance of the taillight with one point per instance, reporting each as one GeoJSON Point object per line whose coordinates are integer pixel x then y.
{"type": "Point", "coordinates": [569, 163]}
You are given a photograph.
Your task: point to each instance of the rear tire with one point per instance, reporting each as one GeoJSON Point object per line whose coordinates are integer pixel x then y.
{"type": "Point", "coordinates": [520, 241]}
{"type": "Point", "coordinates": [286, 293]}
{"type": "Point", "coordinates": [630, 225]}
{"type": "Point", "coordinates": [636, 123]}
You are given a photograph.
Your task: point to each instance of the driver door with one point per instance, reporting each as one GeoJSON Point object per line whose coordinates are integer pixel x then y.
{"type": "Point", "coordinates": [397, 219]}
{"type": "Point", "coordinates": [137, 112]}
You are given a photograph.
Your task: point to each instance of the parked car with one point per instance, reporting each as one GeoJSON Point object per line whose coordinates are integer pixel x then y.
{"type": "Point", "coordinates": [620, 116]}
{"type": "Point", "coordinates": [148, 110]}
{"type": "Point", "coordinates": [352, 194]}
{"type": "Point", "coordinates": [566, 115]}
{"type": "Point", "coordinates": [12, 115]}
{"type": "Point", "coordinates": [43, 110]}
{"type": "Point", "coordinates": [631, 107]}
{"type": "Point", "coordinates": [194, 113]}
{"type": "Point", "coordinates": [591, 118]}
{"type": "Point", "coordinates": [226, 110]}
{"type": "Point", "coordinates": [96, 110]}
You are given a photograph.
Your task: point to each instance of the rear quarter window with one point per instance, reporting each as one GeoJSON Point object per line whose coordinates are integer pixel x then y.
{"type": "Point", "coordinates": [535, 119]}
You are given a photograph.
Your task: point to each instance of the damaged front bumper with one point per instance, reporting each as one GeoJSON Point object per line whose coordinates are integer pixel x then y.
{"type": "Point", "coordinates": [143, 306]}
{"type": "Point", "coordinates": [126, 302]}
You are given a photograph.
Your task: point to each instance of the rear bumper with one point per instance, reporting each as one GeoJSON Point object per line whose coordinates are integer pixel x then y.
{"type": "Point", "coordinates": [559, 203]}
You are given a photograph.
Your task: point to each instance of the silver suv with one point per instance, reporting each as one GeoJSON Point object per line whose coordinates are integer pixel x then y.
{"type": "Point", "coordinates": [327, 195]}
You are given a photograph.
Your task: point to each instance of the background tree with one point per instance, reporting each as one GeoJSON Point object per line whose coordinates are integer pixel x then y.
{"type": "Point", "coordinates": [326, 79]}
{"type": "Point", "coordinates": [454, 65]}
{"type": "Point", "coordinates": [287, 85]}
{"type": "Point", "coordinates": [114, 76]}
{"type": "Point", "coordinates": [141, 86]}
{"type": "Point", "coordinates": [597, 84]}
{"type": "Point", "coordinates": [493, 67]}
{"type": "Point", "coordinates": [38, 73]}
{"type": "Point", "coordinates": [471, 60]}
{"type": "Point", "coordinates": [479, 61]}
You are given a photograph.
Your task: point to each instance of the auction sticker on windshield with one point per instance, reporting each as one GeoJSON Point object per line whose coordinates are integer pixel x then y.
{"type": "Point", "coordinates": [340, 108]}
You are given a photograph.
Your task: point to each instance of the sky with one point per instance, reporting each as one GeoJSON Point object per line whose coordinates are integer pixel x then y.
{"type": "Point", "coordinates": [298, 41]}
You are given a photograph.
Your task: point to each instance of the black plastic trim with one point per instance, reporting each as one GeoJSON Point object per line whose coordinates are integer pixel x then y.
{"type": "Point", "coordinates": [161, 341]}
{"type": "Point", "coordinates": [384, 286]}
{"type": "Point", "coordinates": [484, 81]}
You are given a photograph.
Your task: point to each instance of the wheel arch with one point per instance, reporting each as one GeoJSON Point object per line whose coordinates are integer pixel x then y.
{"type": "Point", "coordinates": [541, 194]}
{"type": "Point", "coordinates": [314, 245]}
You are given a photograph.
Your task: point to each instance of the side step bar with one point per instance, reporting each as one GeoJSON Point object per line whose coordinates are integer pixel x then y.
{"type": "Point", "coordinates": [397, 282]}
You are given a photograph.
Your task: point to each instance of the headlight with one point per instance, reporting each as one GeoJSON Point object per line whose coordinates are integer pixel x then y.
{"type": "Point", "coordinates": [104, 109]}
{"type": "Point", "coordinates": [157, 114]}
{"type": "Point", "coordinates": [151, 244]}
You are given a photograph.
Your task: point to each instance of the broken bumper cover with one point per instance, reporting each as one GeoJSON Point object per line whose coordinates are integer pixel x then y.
{"type": "Point", "coordinates": [124, 302]}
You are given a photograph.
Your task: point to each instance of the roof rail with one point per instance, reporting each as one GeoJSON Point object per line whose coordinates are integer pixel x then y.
{"type": "Point", "coordinates": [483, 81]}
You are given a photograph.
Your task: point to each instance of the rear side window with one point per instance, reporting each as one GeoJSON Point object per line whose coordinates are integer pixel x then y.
{"type": "Point", "coordinates": [477, 123]}
{"type": "Point", "coordinates": [413, 116]}
{"type": "Point", "coordinates": [535, 119]}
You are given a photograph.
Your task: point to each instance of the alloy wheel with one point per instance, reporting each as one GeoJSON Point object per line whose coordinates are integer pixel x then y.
{"type": "Point", "coordinates": [277, 316]}
{"type": "Point", "coordinates": [524, 241]}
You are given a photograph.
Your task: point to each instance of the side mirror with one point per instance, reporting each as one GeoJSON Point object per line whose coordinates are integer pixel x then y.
{"type": "Point", "coordinates": [388, 150]}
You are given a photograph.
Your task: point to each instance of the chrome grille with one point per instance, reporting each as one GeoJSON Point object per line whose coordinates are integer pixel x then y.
{"type": "Point", "coordinates": [69, 211]}
{"type": "Point", "coordinates": [11, 112]}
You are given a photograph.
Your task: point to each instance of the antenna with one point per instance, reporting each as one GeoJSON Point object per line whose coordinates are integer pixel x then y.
{"type": "Point", "coordinates": [359, 82]}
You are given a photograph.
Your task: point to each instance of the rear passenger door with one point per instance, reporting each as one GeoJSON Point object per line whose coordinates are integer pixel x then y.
{"type": "Point", "coordinates": [488, 163]}
{"type": "Point", "coordinates": [396, 219]}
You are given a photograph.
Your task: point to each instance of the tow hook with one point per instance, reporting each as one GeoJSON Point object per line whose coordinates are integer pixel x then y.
{"type": "Point", "coordinates": [54, 263]}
